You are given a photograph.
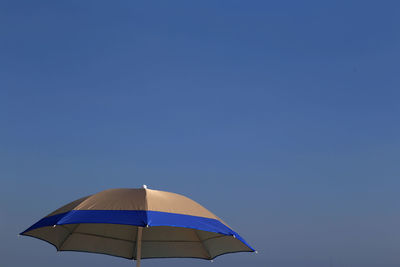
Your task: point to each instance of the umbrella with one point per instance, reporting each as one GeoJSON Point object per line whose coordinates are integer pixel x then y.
{"type": "Point", "coordinates": [138, 224]}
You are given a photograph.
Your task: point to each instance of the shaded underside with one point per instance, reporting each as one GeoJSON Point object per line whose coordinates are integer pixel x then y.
{"type": "Point", "coordinates": [120, 240]}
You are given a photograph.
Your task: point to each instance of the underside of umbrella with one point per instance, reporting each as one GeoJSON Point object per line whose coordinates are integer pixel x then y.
{"type": "Point", "coordinates": [138, 224]}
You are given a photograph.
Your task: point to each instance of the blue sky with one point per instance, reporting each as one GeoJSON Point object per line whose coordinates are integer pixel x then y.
{"type": "Point", "coordinates": [282, 118]}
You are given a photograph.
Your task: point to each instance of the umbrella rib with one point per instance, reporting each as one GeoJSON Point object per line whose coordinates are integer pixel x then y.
{"type": "Point", "coordinates": [103, 236]}
{"type": "Point", "coordinates": [215, 237]}
{"type": "Point", "coordinates": [68, 235]}
{"type": "Point", "coordinates": [171, 241]}
{"type": "Point", "coordinates": [202, 244]}
{"type": "Point", "coordinates": [131, 241]}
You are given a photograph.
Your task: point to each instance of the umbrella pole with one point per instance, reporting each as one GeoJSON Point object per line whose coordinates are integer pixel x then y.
{"type": "Point", "coordinates": [139, 246]}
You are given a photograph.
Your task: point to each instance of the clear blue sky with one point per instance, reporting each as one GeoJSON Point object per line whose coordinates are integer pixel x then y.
{"type": "Point", "coordinates": [282, 118]}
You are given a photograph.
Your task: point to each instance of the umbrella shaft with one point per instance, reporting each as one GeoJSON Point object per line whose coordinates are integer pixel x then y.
{"type": "Point", "coordinates": [139, 246]}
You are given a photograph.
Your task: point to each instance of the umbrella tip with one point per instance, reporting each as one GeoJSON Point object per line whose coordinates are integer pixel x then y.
{"type": "Point", "coordinates": [144, 186]}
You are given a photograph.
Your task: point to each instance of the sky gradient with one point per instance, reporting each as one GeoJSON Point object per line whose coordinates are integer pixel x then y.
{"type": "Point", "coordinates": [281, 118]}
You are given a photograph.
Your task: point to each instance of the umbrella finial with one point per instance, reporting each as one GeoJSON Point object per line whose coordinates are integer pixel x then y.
{"type": "Point", "coordinates": [144, 186]}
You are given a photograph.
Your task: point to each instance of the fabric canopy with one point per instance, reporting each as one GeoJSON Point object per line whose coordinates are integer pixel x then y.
{"type": "Point", "coordinates": [123, 222]}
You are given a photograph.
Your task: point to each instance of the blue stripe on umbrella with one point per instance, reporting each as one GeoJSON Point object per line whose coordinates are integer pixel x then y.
{"type": "Point", "coordinates": [137, 218]}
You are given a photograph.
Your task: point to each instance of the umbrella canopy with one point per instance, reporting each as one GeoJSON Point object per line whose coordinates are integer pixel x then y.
{"type": "Point", "coordinates": [138, 224]}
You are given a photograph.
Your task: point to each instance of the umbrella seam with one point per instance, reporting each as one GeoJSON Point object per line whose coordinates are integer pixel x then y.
{"type": "Point", "coordinates": [146, 206]}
